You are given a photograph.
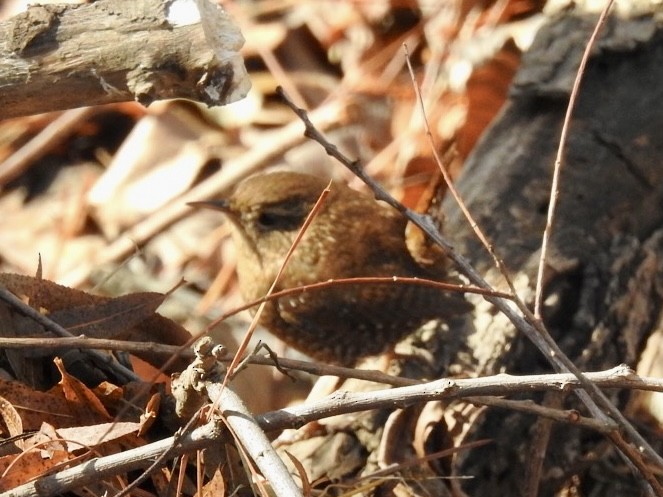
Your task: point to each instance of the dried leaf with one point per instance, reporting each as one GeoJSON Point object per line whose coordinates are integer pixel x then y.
{"type": "Point", "coordinates": [150, 415]}
{"type": "Point", "coordinates": [112, 318]}
{"type": "Point", "coordinates": [216, 487]}
{"type": "Point", "coordinates": [35, 407]}
{"type": "Point", "coordinates": [306, 484]}
{"type": "Point", "coordinates": [128, 317]}
{"type": "Point", "coordinates": [80, 437]}
{"type": "Point", "coordinates": [46, 441]}
{"type": "Point", "coordinates": [27, 466]}
{"type": "Point", "coordinates": [87, 406]}
{"type": "Point", "coordinates": [11, 418]}
{"type": "Point", "coordinates": [44, 294]}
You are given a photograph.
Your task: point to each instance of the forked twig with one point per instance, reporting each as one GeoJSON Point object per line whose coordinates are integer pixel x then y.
{"type": "Point", "coordinates": [193, 438]}
{"type": "Point", "coordinates": [591, 396]}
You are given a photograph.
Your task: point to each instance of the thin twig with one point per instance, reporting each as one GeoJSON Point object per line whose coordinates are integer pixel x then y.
{"type": "Point", "coordinates": [547, 413]}
{"type": "Point", "coordinates": [554, 187]}
{"type": "Point", "coordinates": [620, 377]}
{"type": "Point", "coordinates": [628, 451]}
{"type": "Point", "coordinates": [418, 461]}
{"type": "Point", "coordinates": [266, 52]}
{"type": "Point", "coordinates": [249, 333]}
{"type": "Point", "coordinates": [333, 283]}
{"type": "Point", "coordinates": [452, 187]}
{"type": "Point", "coordinates": [591, 396]}
{"type": "Point", "coordinates": [100, 360]}
{"type": "Point", "coordinates": [540, 440]}
{"type": "Point", "coordinates": [374, 280]}
{"type": "Point", "coordinates": [340, 403]}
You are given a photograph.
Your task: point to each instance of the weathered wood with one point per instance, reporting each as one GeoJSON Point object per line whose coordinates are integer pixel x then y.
{"type": "Point", "coordinates": [55, 57]}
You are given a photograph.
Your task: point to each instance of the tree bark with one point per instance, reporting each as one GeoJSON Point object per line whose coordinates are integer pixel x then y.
{"type": "Point", "coordinates": [604, 275]}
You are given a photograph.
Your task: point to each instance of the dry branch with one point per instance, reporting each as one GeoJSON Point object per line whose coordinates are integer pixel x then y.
{"type": "Point", "coordinates": [213, 433]}
{"type": "Point", "coordinates": [55, 57]}
{"type": "Point", "coordinates": [594, 208]}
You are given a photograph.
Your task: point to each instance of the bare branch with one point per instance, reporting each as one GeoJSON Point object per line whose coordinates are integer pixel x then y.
{"type": "Point", "coordinates": [55, 57]}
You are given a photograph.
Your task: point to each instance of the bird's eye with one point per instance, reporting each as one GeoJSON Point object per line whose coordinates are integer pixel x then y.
{"type": "Point", "coordinates": [281, 218]}
{"type": "Point", "coordinates": [268, 220]}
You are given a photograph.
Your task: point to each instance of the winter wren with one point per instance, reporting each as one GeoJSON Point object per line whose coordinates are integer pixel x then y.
{"type": "Point", "coordinates": [352, 236]}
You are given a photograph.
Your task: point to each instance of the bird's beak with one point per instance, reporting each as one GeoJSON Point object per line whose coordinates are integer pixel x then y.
{"type": "Point", "coordinates": [218, 205]}
{"type": "Point", "coordinates": [222, 205]}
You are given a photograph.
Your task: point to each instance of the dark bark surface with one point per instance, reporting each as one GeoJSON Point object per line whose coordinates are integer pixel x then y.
{"type": "Point", "coordinates": [604, 277]}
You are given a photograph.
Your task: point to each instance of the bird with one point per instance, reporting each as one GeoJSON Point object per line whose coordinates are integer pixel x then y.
{"type": "Point", "coordinates": [352, 235]}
